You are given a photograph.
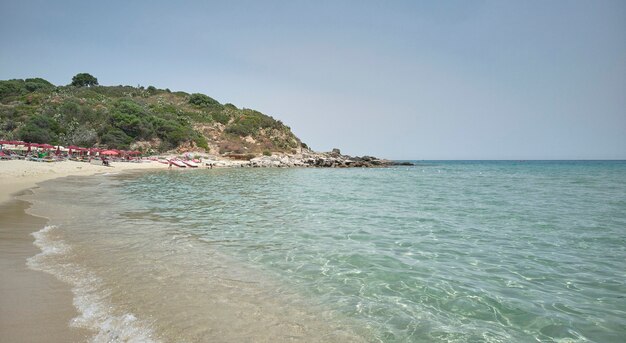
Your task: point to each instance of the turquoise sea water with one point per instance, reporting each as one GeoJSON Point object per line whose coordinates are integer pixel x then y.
{"type": "Point", "coordinates": [439, 252]}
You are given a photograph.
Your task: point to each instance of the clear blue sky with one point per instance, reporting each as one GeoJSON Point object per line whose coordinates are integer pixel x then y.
{"type": "Point", "coordinates": [397, 79]}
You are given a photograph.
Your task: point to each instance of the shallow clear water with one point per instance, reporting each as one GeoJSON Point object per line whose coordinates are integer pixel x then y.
{"type": "Point", "coordinates": [439, 252]}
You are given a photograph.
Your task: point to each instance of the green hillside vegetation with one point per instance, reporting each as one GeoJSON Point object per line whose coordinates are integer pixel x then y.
{"type": "Point", "coordinates": [124, 117]}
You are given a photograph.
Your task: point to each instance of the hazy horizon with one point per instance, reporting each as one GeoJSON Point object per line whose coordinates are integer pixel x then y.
{"type": "Point", "coordinates": [453, 80]}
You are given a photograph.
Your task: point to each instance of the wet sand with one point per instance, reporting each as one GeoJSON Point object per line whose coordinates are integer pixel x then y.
{"type": "Point", "coordinates": [34, 306]}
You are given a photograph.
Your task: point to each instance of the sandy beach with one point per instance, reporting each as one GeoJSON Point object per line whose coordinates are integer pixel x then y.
{"type": "Point", "coordinates": [17, 175]}
{"type": "Point", "coordinates": [35, 306]}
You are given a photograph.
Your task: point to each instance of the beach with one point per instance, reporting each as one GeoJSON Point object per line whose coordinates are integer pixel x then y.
{"type": "Point", "coordinates": [36, 306]}
{"type": "Point", "coordinates": [18, 175]}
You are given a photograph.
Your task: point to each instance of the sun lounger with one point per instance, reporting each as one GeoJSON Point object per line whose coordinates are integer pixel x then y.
{"type": "Point", "coordinates": [190, 164]}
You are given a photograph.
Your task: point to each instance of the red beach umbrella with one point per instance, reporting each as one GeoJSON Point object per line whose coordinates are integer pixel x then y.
{"type": "Point", "coordinates": [109, 152]}
{"type": "Point", "coordinates": [46, 146]}
{"type": "Point", "coordinates": [58, 150]}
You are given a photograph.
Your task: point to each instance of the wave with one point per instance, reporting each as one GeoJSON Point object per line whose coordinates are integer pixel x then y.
{"type": "Point", "coordinates": [96, 312]}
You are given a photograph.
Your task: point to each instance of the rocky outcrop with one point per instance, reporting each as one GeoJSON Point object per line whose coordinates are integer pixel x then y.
{"type": "Point", "coordinates": [305, 159]}
{"type": "Point", "coordinates": [308, 158]}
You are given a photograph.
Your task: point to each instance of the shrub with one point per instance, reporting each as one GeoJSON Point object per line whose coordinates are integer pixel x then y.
{"type": "Point", "coordinates": [11, 88]}
{"type": "Point", "coordinates": [129, 123]}
{"type": "Point", "coordinates": [37, 84]}
{"type": "Point", "coordinates": [251, 122]}
{"type": "Point", "coordinates": [82, 136]}
{"type": "Point", "coordinates": [202, 100]}
{"type": "Point", "coordinates": [40, 129]}
{"type": "Point", "coordinates": [220, 117]}
{"type": "Point", "coordinates": [201, 142]}
{"type": "Point", "coordinates": [34, 134]}
{"type": "Point", "coordinates": [70, 109]}
{"type": "Point", "coordinates": [116, 138]}
{"type": "Point", "coordinates": [128, 106]}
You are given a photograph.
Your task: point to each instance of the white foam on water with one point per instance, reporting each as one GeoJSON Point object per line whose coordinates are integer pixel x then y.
{"type": "Point", "coordinates": [92, 302]}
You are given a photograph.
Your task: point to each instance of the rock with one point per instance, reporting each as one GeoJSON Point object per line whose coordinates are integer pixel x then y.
{"type": "Point", "coordinates": [309, 158]}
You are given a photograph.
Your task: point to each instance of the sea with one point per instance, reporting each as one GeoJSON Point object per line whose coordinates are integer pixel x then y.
{"type": "Point", "coordinates": [443, 251]}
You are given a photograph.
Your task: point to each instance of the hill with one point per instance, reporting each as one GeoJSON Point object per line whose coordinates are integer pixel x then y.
{"type": "Point", "coordinates": [144, 118]}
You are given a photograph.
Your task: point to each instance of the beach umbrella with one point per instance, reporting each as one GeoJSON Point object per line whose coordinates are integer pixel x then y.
{"type": "Point", "coordinates": [93, 151]}
{"type": "Point", "coordinates": [46, 146]}
{"type": "Point", "coordinates": [79, 150]}
{"type": "Point", "coordinates": [109, 152]}
{"type": "Point", "coordinates": [71, 147]}
{"type": "Point", "coordinates": [29, 146]}
{"type": "Point", "coordinates": [58, 150]}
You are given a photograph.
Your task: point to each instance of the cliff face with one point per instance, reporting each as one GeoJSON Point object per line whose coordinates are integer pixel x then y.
{"type": "Point", "coordinates": [147, 119]}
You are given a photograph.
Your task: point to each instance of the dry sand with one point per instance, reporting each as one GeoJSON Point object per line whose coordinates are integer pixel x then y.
{"type": "Point", "coordinates": [17, 175]}
{"type": "Point", "coordinates": [35, 306]}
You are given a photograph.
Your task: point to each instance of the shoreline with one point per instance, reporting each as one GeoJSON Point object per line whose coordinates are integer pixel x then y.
{"type": "Point", "coordinates": [36, 306]}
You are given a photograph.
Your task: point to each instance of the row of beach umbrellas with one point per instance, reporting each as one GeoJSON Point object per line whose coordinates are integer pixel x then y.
{"type": "Point", "coordinates": [19, 145]}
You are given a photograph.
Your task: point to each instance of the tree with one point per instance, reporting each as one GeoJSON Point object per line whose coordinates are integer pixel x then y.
{"type": "Point", "coordinates": [84, 80]}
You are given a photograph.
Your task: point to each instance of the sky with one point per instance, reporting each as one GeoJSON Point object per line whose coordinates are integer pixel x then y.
{"type": "Point", "coordinates": [394, 79]}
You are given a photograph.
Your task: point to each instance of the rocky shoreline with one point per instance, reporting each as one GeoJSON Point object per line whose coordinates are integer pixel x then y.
{"type": "Point", "coordinates": [309, 159]}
